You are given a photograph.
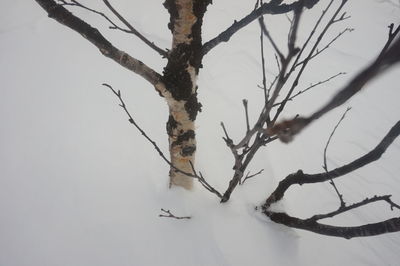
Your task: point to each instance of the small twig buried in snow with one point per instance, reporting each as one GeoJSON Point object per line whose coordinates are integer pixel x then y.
{"type": "Point", "coordinates": [168, 214]}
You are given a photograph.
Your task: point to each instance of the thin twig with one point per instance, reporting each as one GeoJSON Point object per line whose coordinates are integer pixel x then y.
{"type": "Point", "coordinates": [308, 57]}
{"type": "Point", "coordinates": [319, 51]}
{"type": "Point", "coordinates": [301, 178]}
{"type": "Point", "coordinates": [325, 166]}
{"type": "Point", "coordinates": [311, 86]}
{"type": "Point", "coordinates": [384, 61]}
{"type": "Point", "coordinates": [264, 78]}
{"type": "Point", "coordinates": [131, 30]}
{"type": "Point", "coordinates": [200, 178]}
{"type": "Point", "coordinates": [248, 176]}
{"type": "Point", "coordinates": [273, 7]}
{"type": "Point", "coordinates": [343, 209]}
{"type": "Point", "coordinates": [271, 40]}
{"type": "Point", "coordinates": [246, 112]}
{"type": "Point", "coordinates": [134, 31]}
{"type": "Point", "coordinates": [168, 214]}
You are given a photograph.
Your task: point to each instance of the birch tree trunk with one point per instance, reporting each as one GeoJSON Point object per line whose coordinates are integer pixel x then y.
{"type": "Point", "coordinates": [179, 79]}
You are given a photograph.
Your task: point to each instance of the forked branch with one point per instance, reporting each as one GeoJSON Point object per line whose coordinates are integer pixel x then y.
{"type": "Point", "coordinates": [348, 232]}
{"type": "Point", "coordinates": [169, 214]}
{"type": "Point", "coordinates": [63, 16]}
{"type": "Point", "coordinates": [311, 224]}
{"type": "Point", "coordinates": [134, 31]}
{"type": "Point", "coordinates": [130, 29]}
{"type": "Point", "coordinates": [194, 174]}
{"type": "Point", "coordinates": [300, 178]}
{"type": "Point", "coordinates": [389, 56]}
{"type": "Point", "coordinates": [272, 8]}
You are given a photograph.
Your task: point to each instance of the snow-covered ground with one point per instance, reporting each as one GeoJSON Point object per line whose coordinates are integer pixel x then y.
{"type": "Point", "coordinates": [80, 187]}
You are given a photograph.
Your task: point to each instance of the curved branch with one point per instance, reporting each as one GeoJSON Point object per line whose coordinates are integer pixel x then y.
{"type": "Point", "coordinates": [300, 178]}
{"type": "Point", "coordinates": [389, 56]}
{"type": "Point", "coordinates": [63, 16]}
{"type": "Point", "coordinates": [134, 31]}
{"type": "Point", "coordinates": [373, 229]}
{"type": "Point", "coordinates": [273, 8]}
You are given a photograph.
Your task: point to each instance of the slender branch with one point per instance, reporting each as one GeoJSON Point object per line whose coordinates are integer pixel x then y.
{"type": "Point", "coordinates": [373, 229]}
{"type": "Point", "coordinates": [325, 166]}
{"type": "Point", "coordinates": [288, 137]}
{"type": "Point", "coordinates": [168, 214]}
{"type": "Point", "coordinates": [200, 177]}
{"type": "Point", "coordinates": [248, 176]}
{"type": "Point", "coordinates": [392, 35]}
{"type": "Point", "coordinates": [311, 34]}
{"type": "Point", "coordinates": [63, 16]}
{"type": "Point", "coordinates": [319, 51]}
{"type": "Point", "coordinates": [271, 40]}
{"type": "Point", "coordinates": [364, 202]}
{"type": "Point", "coordinates": [389, 56]}
{"type": "Point", "coordinates": [115, 26]}
{"type": "Point", "coordinates": [246, 113]}
{"type": "Point", "coordinates": [310, 87]}
{"type": "Point", "coordinates": [263, 69]}
{"type": "Point", "coordinates": [272, 8]}
{"type": "Point", "coordinates": [227, 139]}
{"type": "Point", "coordinates": [203, 182]}
{"type": "Point", "coordinates": [78, 4]}
{"type": "Point", "coordinates": [300, 178]}
{"type": "Point", "coordinates": [311, 224]}
{"type": "Point", "coordinates": [134, 31]}
{"type": "Point", "coordinates": [281, 80]}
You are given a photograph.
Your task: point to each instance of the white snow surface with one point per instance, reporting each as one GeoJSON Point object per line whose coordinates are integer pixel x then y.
{"type": "Point", "coordinates": [79, 186]}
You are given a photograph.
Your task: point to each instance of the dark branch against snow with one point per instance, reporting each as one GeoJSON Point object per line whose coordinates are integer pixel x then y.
{"type": "Point", "coordinates": [65, 17]}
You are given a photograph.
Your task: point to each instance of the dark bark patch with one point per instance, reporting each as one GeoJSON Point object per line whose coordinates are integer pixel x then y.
{"type": "Point", "coordinates": [176, 77]}
{"type": "Point", "coordinates": [193, 107]}
{"type": "Point", "coordinates": [173, 11]}
{"type": "Point", "coordinates": [199, 9]}
{"type": "Point", "coordinates": [171, 125]}
{"type": "Point", "coordinates": [190, 134]}
{"type": "Point", "coordinates": [188, 151]}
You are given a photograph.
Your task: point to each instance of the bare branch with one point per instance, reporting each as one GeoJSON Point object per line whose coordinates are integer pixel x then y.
{"type": "Point", "coordinates": [392, 35]}
{"type": "Point", "coordinates": [300, 178]}
{"type": "Point", "coordinates": [246, 112]}
{"type": "Point", "coordinates": [115, 26]}
{"type": "Point", "coordinates": [305, 61]}
{"type": "Point", "coordinates": [203, 182]}
{"type": "Point", "coordinates": [364, 202]}
{"type": "Point", "coordinates": [311, 224]}
{"type": "Point", "coordinates": [389, 56]}
{"type": "Point", "coordinates": [273, 8]}
{"type": "Point", "coordinates": [63, 16]}
{"type": "Point", "coordinates": [200, 177]}
{"type": "Point", "coordinates": [373, 229]}
{"type": "Point", "coordinates": [227, 139]}
{"type": "Point", "coordinates": [325, 166]}
{"type": "Point", "coordinates": [310, 87]}
{"type": "Point", "coordinates": [134, 31]}
{"type": "Point", "coordinates": [248, 176]}
{"type": "Point", "coordinates": [78, 4]}
{"type": "Point", "coordinates": [264, 78]}
{"type": "Point", "coordinates": [168, 214]}
{"type": "Point", "coordinates": [271, 40]}
{"type": "Point", "coordinates": [319, 51]}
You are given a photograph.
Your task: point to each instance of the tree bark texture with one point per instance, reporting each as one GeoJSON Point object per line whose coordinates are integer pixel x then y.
{"type": "Point", "coordinates": [177, 84]}
{"type": "Point", "coordinates": [179, 78]}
